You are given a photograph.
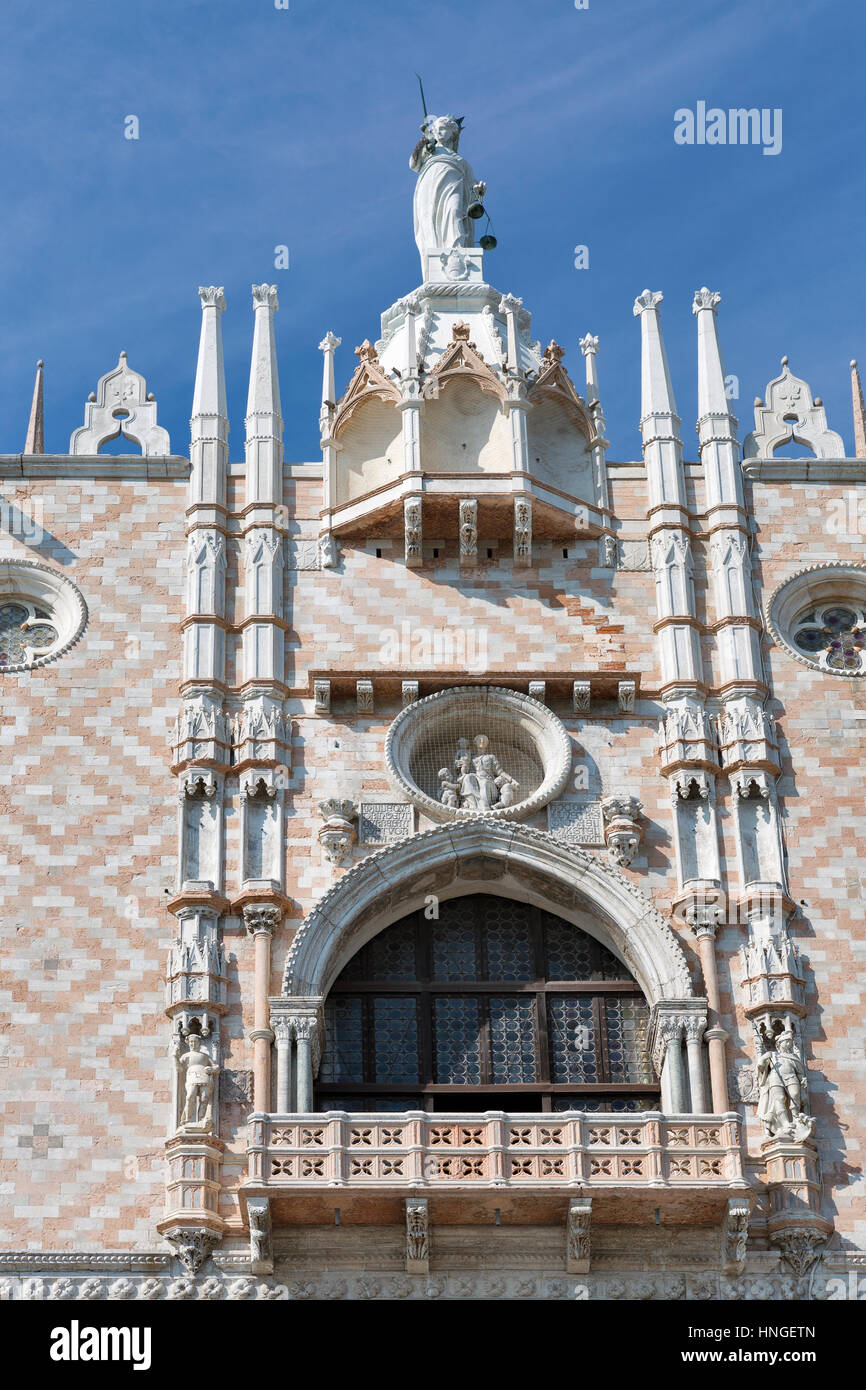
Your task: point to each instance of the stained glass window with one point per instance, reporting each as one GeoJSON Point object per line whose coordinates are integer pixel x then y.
{"type": "Point", "coordinates": [25, 632]}
{"type": "Point", "coordinates": [834, 636]}
{"type": "Point", "coordinates": [494, 1005]}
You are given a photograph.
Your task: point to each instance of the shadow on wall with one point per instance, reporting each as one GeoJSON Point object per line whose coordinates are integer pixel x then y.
{"type": "Point", "coordinates": [27, 527]}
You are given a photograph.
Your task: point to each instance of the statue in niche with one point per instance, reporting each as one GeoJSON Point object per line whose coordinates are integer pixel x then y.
{"type": "Point", "coordinates": [446, 187]}
{"type": "Point", "coordinates": [197, 1070]}
{"type": "Point", "coordinates": [479, 782]}
{"type": "Point", "coordinates": [782, 1092]}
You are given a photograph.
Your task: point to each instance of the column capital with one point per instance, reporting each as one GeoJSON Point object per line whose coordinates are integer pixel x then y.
{"type": "Point", "coordinates": [265, 297]}
{"type": "Point", "coordinates": [705, 299]}
{"type": "Point", "coordinates": [261, 918]}
{"type": "Point", "coordinates": [650, 299]}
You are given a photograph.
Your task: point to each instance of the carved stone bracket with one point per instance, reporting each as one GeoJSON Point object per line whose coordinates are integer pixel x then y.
{"type": "Point", "coordinates": [338, 834]}
{"type": "Point", "coordinates": [413, 532]}
{"type": "Point", "coordinates": [622, 832]}
{"type": "Point", "coordinates": [261, 1240]}
{"type": "Point", "coordinates": [580, 697]}
{"type": "Point", "coordinates": [522, 532]}
{"type": "Point", "coordinates": [417, 1236]}
{"type": "Point", "coordinates": [192, 1245]}
{"type": "Point", "coordinates": [625, 697]}
{"type": "Point", "coordinates": [469, 532]}
{"type": "Point", "coordinates": [735, 1235]}
{"type": "Point", "coordinates": [579, 1235]}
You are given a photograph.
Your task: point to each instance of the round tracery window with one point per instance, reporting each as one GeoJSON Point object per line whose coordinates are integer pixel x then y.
{"type": "Point", "coordinates": [834, 636]}
{"type": "Point", "coordinates": [41, 614]}
{"type": "Point", "coordinates": [478, 751]}
{"type": "Point", "coordinates": [819, 616]}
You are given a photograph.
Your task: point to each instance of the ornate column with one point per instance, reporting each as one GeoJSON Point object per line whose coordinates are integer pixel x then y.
{"type": "Point", "coordinates": [196, 989]}
{"type": "Point", "coordinates": [330, 447]}
{"type": "Point", "coordinates": [261, 921]}
{"type": "Point", "coordinates": [298, 1030]}
{"type": "Point", "coordinates": [600, 445]}
{"type": "Point", "coordinates": [693, 1028]}
{"type": "Point", "coordinates": [703, 919]}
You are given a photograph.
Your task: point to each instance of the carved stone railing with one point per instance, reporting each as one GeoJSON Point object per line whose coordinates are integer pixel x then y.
{"type": "Point", "coordinates": [418, 1149]}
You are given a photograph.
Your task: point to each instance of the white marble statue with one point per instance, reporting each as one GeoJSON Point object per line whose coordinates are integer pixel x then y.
{"type": "Point", "coordinates": [198, 1071]}
{"type": "Point", "coordinates": [445, 189]}
{"type": "Point", "coordinates": [782, 1082]}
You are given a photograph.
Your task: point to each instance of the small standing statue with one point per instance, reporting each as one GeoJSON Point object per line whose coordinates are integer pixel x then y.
{"type": "Point", "coordinates": [782, 1084]}
{"type": "Point", "coordinates": [446, 187]}
{"type": "Point", "coordinates": [197, 1070]}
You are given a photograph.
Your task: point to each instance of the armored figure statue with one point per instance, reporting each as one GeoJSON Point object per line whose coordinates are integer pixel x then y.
{"type": "Point", "coordinates": [198, 1071]}
{"type": "Point", "coordinates": [446, 187]}
{"type": "Point", "coordinates": [782, 1084]}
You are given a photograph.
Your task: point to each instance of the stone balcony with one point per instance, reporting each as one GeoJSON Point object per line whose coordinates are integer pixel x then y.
{"type": "Point", "coordinates": [631, 1164]}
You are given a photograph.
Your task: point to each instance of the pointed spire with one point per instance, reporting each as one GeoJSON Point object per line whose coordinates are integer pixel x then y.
{"type": "Point", "coordinates": [657, 392]}
{"type": "Point", "coordinates": [859, 413]}
{"type": "Point", "coordinates": [209, 397]}
{"type": "Point", "coordinates": [659, 423]}
{"type": "Point", "coordinates": [209, 426]}
{"type": "Point", "coordinates": [264, 421]}
{"type": "Point", "coordinates": [589, 347]}
{"type": "Point", "coordinates": [712, 399]}
{"type": "Point", "coordinates": [36, 428]}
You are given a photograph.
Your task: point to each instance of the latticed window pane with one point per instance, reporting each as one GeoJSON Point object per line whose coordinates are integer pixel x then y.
{"type": "Point", "coordinates": [574, 955]}
{"type": "Point", "coordinates": [356, 1103]}
{"type": "Point", "coordinates": [620, 1105]}
{"type": "Point", "coordinates": [395, 1040]}
{"type": "Point", "coordinates": [626, 1021]}
{"type": "Point", "coordinates": [512, 1040]}
{"type": "Point", "coordinates": [456, 1041]}
{"type": "Point", "coordinates": [509, 940]}
{"type": "Point", "coordinates": [389, 956]}
{"type": "Point", "coordinates": [569, 952]}
{"type": "Point", "coordinates": [573, 1054]}
{"type": "Point", "coordinates": [454, 954]}
{"type": "Point", "coordinates": [343, 1058]}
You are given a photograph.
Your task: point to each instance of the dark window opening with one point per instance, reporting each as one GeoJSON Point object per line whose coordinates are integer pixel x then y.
{"type": "Point", "coordinates": [495, 1005]}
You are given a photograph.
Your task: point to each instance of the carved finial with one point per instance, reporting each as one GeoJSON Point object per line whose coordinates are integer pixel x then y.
{"type": "Point", "coordinates": [553, 353]}
{"type": "Point", "coordinates": [705, 299]}
{"type": "Point", "coordinates": [330, 342]}
{"type": "Point", "coordinates": [589, 344]}
{"type": "Point", "coordinates": [212, 296]}
{"type": "Point", "coordinates": [366, 351]}
{"type": "Point", "coordinates": [265, 296]}
{"type": "Point", "coordinates": [36, 427]}
{"type": "Point", "coordinates": [460, 333]}
{"type": "Point", "coordinates": [785, 360]}
{"type": "Point", "coordinates": [650, 299]}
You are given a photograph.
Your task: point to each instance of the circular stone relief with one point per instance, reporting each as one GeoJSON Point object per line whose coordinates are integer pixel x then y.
{"type": "Point", "coordinates": [41, 614]}
{"type": "Point", "coordinates": [478, 751]}
{"type": "Point", "coordinates": [819, 617]}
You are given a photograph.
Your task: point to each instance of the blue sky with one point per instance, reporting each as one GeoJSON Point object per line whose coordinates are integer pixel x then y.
{"type": "Point", "coordinates": [261, 127]}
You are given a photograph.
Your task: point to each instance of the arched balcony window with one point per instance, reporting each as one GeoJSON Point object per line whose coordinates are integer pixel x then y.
{"type": "Point", "coordinates": [496, 1005]}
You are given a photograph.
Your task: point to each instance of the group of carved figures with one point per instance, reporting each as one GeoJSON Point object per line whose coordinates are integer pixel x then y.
{"type": "Point", "coordinates": [476, 782]}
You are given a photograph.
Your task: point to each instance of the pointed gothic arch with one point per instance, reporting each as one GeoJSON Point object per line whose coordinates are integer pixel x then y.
{"type": "Point", "coordinates": [486, 856]}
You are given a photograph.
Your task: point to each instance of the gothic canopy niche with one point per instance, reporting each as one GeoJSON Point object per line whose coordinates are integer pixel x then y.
{"type": "Point", "coordinates": [478, 750]}
{"type": "Point", "coordinates": [819, 617]}
{"type": "Point", "coordinates": [488, 856]}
